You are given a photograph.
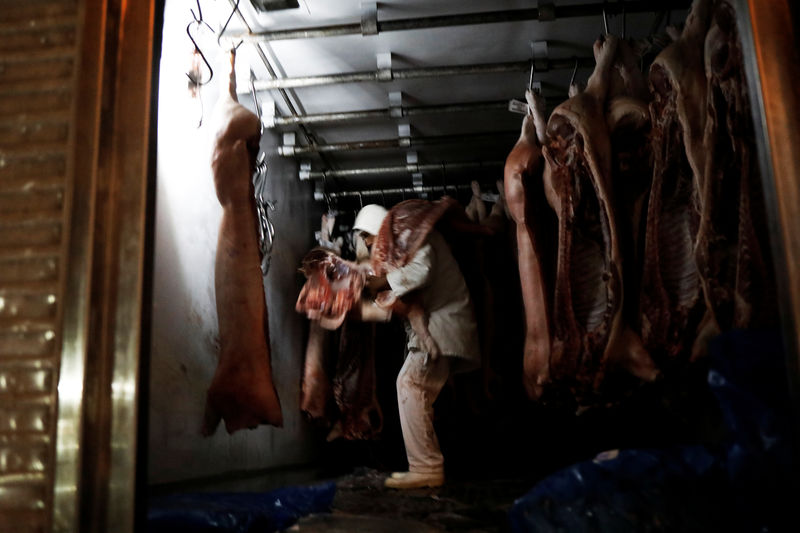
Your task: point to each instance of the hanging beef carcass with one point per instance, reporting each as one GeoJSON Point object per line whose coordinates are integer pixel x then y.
{"type": "Point", "coordinates": [732, 252]}
{"type": "Point", "coordinates": [588, 329]}
{"type": "Point", "coordinates": [316, 390]}
{"type": "Point", "coordinates": [354, 384]}
{"type": "Point", "coordinates": [671, 303]}
{"type": "Point", "coordinates": [524, 193]}
{"type": "Point", "coordinates": [332, 292]}
{"type": "Point", "coordinates": [242, 392]}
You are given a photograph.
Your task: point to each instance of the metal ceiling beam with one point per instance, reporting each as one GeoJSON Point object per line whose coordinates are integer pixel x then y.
{"type": "Point", "coordinates": [485, 17]}
{"type": "Point", "coordinates": [415, 73]}
{"type": "Point", "coordinates": [399, 169]}
{"type": "Point", "coordinates": [400, 142]}
{"type": "Point", "coordinates": [320, 195]}
{"type": "Point", "coordinates": [369, 114]}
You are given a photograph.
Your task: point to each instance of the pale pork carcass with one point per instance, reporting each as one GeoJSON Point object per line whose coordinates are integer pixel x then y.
{"type": "Point", "coordinates": [242, 392]}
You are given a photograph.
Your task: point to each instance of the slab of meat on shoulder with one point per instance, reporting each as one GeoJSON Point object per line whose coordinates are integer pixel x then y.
{"type": "Point", "coordinates": [672, 314]}
{"type": "Point", "coordinates": [524, 192]}
{"type": "Point", "coordinates": [588, 331]}
{"type": "Point", "coordinates": [732, 244]}
{"type": "Point", "coordinates": [242, 392]}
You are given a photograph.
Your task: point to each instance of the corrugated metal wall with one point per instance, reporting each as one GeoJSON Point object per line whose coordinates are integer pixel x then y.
{"type": "Point", "coordinates": [38, 56]}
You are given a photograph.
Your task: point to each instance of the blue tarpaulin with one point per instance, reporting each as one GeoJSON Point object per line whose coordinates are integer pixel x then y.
{"type": "Point", "coordinates": [743, 484]}
{"type": "Point", "coordinates": [237, 512]}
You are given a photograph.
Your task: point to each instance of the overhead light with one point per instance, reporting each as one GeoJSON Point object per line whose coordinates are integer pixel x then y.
{"type": "Point", "coordinates": [274, 5]}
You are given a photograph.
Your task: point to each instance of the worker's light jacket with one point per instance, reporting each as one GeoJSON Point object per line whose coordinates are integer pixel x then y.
{"type": "Point", "coordinates": [451, 320]}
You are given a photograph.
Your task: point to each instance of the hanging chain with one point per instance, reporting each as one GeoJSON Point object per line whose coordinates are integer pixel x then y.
{"type": "Point", "coordinates": [266, 231]}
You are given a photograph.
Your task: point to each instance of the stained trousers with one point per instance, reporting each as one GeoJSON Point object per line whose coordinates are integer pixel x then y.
{"type": "Point", "coordinates": [418, 386]}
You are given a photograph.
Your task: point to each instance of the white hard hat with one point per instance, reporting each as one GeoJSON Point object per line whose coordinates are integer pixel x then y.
{"type": "Point", "coordinates": [370, 218]}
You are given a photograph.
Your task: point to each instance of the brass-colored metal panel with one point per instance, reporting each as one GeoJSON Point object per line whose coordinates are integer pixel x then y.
{"type": "Point", "coordinates": [28, 195]}
{"type": "Point", "coordinates": [25, 164]}
{"type": "Point", "coordinates": [24, 418]}
{"type": "Point", "coordinates": [38, 39]}
{"type": "Point", "coordinates": [15, 101]}
{"type": "Point", "coordinates": [28, 493]}
{"type": "Point", "coordinates": [46, 69]}
{"type": "Point", "coordinates": [21, 13]}
{"type": "Point", "coordinates": [38, 76]}
{"type": "Point", "coordinates": [24, 342]}
{"type": "Point", "coordinates": [30, 380]}
{"type": "Point", "coordinates": [32, 131]}
{"type": "Point", "coordinates": [79, 200]}
{"type": "Point", "coordinates": [131, 149]}
{"type": "Point", "coordinates": [26, 304]}
{"type": "Point", "coordinates": [23, 268]}
{"type": "Point", "coordinates": [32, 232]}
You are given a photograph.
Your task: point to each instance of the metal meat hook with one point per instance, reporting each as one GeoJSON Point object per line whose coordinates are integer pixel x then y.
{"type": "Point", "coordinates": [533, 71]}
{"type": "Point", "coordinates": [574, 71]}
{"type": "Point", "coordinates": [225, 26]}
{"type": "Point", "coordinates": [194, 80]}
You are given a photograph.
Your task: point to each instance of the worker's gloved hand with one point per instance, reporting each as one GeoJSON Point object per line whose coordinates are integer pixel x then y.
{"type": "Point", "coordinates": [376, 284]}
{"type": "Point", "coordinates": [386, 299]}
{"type": "Point", "coordinates": [369, 311]}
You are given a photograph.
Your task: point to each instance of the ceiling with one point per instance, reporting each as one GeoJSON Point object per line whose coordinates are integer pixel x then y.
{"type": "Point", "coordinates": [566, 39]}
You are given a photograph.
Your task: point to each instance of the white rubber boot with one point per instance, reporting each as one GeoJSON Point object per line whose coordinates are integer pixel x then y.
{"type": "Point", "coordinates": [413, 480]}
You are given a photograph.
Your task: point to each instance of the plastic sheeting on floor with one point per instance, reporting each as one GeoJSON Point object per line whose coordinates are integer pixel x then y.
{"type": "Point", "coordinates": [742, 485]}
{"type": "Point", "coordinates": [237, 512]}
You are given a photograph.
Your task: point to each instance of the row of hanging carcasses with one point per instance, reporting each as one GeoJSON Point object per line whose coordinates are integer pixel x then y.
{"type": "Point", "coordinates": [641, 229]}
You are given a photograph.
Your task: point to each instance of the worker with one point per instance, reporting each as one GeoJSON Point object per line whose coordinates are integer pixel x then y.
{"type": "Point", "coordinates": [451, 321]}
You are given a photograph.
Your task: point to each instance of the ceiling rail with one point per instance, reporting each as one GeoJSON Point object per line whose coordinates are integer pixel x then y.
{"type": "Point", "coordinates": [419, 189]}
{"type": "Point", "coordinates": [388, 112]}
{"type": "Point", "coordinates": [545, 13]}
{"type": "Point", "coordinates": [385, 75]}
{"type": "Point", "coordinates": [399, 142]}
{"type": "Point", "coordinates": [410, 168]}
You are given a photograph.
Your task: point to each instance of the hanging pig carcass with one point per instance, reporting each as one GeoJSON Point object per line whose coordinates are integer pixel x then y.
{"type": "Point", "coordinates": [628, 119]}
{"type": "Point", "coordinates": [242, 392]}
{"type": "Point", "coordinates": [672, 311]}
{"type": "Point", "coordinates": [589, 333]}
{"type": "Point", "coordinates": [524, 193]}
{"type": "Point", "coordinates": [732, 244]}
